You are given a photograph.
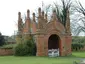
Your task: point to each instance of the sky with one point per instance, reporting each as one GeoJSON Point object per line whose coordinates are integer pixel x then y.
{"type": "Point", "coordinates": [9, 12]}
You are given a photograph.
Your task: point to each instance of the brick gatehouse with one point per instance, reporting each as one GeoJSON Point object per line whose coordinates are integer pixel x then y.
{"type": "Point", "coordinates": [50, 34]}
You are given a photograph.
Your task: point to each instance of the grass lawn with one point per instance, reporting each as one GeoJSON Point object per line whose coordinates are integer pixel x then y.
{"type": "Point", "coordinates": [42, 60]}
{"type": "Point", "coordinates": [79, 54]}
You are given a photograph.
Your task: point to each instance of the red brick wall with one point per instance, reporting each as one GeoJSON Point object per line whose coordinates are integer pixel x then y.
{"type": "Point", "coordinates": [64, 42]}
{"type": "Point", "coordinates": [33, 26]}
{"type": "Point", "coordinates": [40, 45]}
{"type": "Point", "coordinates": [6, 52]}
{"type": "Point", "coordinates": [68, 44]}
{"type": "Point", "coordinates": [82, 49]}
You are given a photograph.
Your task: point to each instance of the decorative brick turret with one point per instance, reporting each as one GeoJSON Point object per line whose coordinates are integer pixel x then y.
{"type": "Point", "coordinates": [20, 29]}
{"type": "Point", "coordinates": [54, 17]}
{"type": "Point", "coordinates": [39, 19]}
{"type": "Point", "coordinates": [33, 25]}
{"type": "Point", "coordinates": [20, 23]}
{"type": "Point", "coordinates": [43, 14]}
{"type": "Point", "coordinates": [54, 14]}
{"type": "Point", "coordinates": [43, 21]}
{"type": "Point", "coordinates": [68, 23]}
{"type": "Point", "coordinates": [33, 17]}
{"type": "Point", "coordinates": [28, 14]}
{"type": "Point", "coordinates": [46, 19]}
{"type": "Point", "coordinates": [27, 23]}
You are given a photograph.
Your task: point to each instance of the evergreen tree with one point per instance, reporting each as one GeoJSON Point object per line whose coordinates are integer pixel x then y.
{"type": "Point", "coordinates": [2, 40]}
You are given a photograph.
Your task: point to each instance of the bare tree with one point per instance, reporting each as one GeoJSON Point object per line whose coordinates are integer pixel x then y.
{"type": "Point", "coordinates": [80, 18]}
{"type": "Point", "coordinates": [62, 10]}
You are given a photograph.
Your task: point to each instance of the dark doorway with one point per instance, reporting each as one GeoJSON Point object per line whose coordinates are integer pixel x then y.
{"type": "Point", "coordinates": [53, 42]}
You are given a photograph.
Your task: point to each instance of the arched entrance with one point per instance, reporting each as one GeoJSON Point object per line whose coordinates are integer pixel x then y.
{"type": "Point", "coordinates": [53, 43]}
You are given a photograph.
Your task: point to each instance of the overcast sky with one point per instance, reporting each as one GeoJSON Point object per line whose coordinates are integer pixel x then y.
{"type": "Point", "coordinates": [9, 12]}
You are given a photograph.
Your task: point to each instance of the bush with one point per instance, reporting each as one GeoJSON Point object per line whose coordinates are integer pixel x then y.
{"type": "Point", "coordinates": [19, 50]}
{"type": "Point", "coordinates": [9, 46]}
{"type": "Point", "coordinates": [77, 46]}
{"type": "Point", "coordinates": [31, 47]}
{"type": "Point", "coordinates": [2, 40]}
{"type": "Point", "coordinates": [78, 39]}
{"type": "Point", "coordinates": [78, 42]}
{"type": "Point", "coordinates": [27, 48]}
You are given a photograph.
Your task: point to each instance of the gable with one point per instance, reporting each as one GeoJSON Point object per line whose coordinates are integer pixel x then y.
{"type": "Point", "coordinates": [54, 26]}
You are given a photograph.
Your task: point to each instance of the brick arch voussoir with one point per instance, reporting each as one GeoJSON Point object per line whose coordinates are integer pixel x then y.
{"type": "Point", "coordinates": [58, 34]}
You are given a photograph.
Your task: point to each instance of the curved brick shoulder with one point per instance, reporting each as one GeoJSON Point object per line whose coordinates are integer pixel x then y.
{"type": "Point", "coordinates": [54, 25]}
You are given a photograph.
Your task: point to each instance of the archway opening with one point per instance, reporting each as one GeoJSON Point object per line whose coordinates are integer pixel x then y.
{"type": "Point", "coordinates": [53, 46]}
{"type": "Point", "coordinates": [53, 42]}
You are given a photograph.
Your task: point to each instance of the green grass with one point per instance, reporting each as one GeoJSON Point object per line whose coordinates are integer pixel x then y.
{"type": "Point", "coordinates": [76, 56]}
{"type": "Point", "coordinates": [79, 54]}
{"type": "Point", "coordinates": [35, 60]}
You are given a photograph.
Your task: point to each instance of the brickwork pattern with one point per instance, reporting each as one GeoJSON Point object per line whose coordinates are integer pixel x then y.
{"type": "Point", "coordinates": [4, 52]}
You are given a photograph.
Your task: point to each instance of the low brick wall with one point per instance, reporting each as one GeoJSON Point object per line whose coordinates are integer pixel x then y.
{"type": "Point", "coordinates": [83, 49]}
{"type": "Point", "coordinates": [4, 52]}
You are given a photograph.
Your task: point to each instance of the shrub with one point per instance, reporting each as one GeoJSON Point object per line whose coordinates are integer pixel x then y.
{"type": "Point", "coordinates": [78, 42]}
{"type": "Point", "coordinates": [77, 46]}
{"type": "Point", "coordinates": [78, 39]}
{"type": "Point", "coordinates": [19, 50]}
{"type": "Point", "coordinates": [26, 48]}
{"type": "Point", "coordinates": [31, 47]}
{"type": "Point", "coordinates": [2, 40]}
{"type": "Point", "coordinates": [9, 46]}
